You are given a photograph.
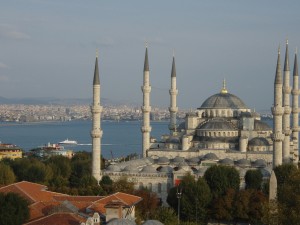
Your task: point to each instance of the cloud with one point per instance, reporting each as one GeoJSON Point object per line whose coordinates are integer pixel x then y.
{"type": "Point", "coordinates": [3, 66]}
{"type": "Point", "coordinates": [9, 32]}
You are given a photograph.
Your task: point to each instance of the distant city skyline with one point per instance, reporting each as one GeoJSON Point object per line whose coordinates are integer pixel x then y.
{"type": "Point", "coordinates": [48, 48]}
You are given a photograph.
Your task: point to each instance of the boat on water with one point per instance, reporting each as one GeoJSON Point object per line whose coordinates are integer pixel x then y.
{"type": "Point", "coordinates": [68, 142]}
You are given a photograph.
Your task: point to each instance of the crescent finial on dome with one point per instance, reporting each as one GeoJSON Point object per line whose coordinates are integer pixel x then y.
{"type": "Point", "coordinates": [224, 90]}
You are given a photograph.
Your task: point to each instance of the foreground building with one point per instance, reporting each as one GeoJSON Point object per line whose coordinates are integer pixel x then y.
{"type": "Point", "coordinates": [10, 151]}
{"type": "Point", "coordinates": [223, 130]}
{"type": "Point", "coordinates": [48, 207]}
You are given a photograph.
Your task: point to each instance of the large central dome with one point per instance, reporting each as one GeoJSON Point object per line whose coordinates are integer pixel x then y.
{"type": "Point", "coordinates": [224, 100]}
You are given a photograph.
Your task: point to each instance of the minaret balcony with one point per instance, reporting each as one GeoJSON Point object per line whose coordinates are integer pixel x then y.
{"type": "Point", "coordinates": [278, 136]}
{"type": "Point", "coordinates": [146, 129]}
{"type": "Point", "coordinates": [295, 92]}
{"type": "Point", "coordinates": [173, 91]}
{"type": "Point", "coordinates": [295, 110]}
{"type": "Point", "coordinates": [277, 111]}
{"type": "Point", "coordinates": [286, 90]}
{"type": "Point", "coordinates": [173, 109]}
{"type": "Point", "coordinates": [287, 132]}
{"type": "Point", "coordinates": [146, 108]}
{"type": "Point", "coordinates": [96, 109]}
{"type": "Point", "coordinates": [96, 133]}
{"type": "Point", "coordinates": [146, 89]}
{"type": "Point", "coordinates": [287, 109]}
{"type": "Point", "coordinates": [295, 129]}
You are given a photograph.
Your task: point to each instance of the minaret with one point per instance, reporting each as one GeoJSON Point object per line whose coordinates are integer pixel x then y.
{"type": "Point", "coordinates": [295, 110]}
{"type": "Point", "coordinates": [96, 132]}
{"type": "Point", "coordinates": [287, 109]}
{"type": "Point", "coordinates": [146, 108]}
{"type": "Point", "coordinates": [277, 112]}
{"type": "Point", "coordinates": [173, 100]}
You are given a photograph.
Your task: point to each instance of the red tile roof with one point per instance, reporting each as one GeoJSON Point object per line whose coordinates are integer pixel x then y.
{"type": "Point", "coordinates": [59, 218]}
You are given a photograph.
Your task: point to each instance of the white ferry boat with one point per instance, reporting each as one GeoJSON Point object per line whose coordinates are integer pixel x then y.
{"type": "Point", "coordinates": [68, 142]}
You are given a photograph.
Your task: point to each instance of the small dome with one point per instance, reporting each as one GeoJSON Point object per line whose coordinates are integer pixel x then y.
{"type": "Point", "coordinates": [210, 156]}
{"type": "Point", "coordinates": [173, 140]}
{"type": "Point", "coordinates": [163, 160]}
{"type": "Point", "coordinates": [131, 169]}
{"type": "Point", "coordinates": [166, 169]}
{"type": "Point", "coordinates": [223, 101]}
{"type": "Point", "coordinates": [178, 159]}
{"type": "Point", "coordinates": [182, 164]}
{"type": "Point", "coordinates": [121, 222]}
{"type": "Point", "coordinates": [193, 161]}
{"type": "Point", "coordinates": [227, 162]}
{"type": "Point", "coordinates": [259, 163]}
{"type": "Point", "coordinates": [113, 168]}
{"type": "Point", "coordinates": [260, 125]}
{"type": "Point", "coordinates": [243, 163]}
{"type": "Point", "coordinates": [258, 141]}
{"type": "Point", "coordinates": [152, 222]}
{"type": "Point", "coordinates": [148, 169]}
{"type": "Point", "coordinates": [217, 124]}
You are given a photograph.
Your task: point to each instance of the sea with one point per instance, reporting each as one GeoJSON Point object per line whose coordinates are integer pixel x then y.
{"type": "Point", "coordinates": [119, 138]}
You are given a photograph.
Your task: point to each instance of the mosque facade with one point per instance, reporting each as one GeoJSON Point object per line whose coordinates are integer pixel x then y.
{"type": "Point", "coordinates": [223, 130]}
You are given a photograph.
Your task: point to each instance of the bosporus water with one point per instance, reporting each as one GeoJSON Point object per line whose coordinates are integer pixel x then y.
{"type": "Point", "coordinates": [119, 138]}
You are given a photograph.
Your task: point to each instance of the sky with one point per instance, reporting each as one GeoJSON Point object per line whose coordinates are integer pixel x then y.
{"type": "Point", "coordinates": [48, 48]}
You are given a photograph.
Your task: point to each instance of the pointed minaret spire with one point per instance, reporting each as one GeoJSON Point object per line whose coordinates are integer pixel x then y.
{"type": "Point", "coordinates": [277, 112]}
{"type": "Point", "coordinates": [286, 125]}
{"type": "Point", "coordinates": [173, 109]}
{"type": "Point", "coordinates": [286, 60]}
{"type": "Point", "coordinates": [278, 77]}
{"type": "Point", "coordinates": [96, 132]}
{"type": "Point", "coordinates": [146, 108]}
{"type": "Point", "coordinates": [295, 111]}
{"type": "Point", "coordinates": [96, 71]}
{"type": "Point", "coordinates": [146, 63]}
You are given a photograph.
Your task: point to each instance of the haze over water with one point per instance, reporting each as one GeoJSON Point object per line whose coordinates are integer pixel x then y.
{"type": "Point", "coordinates": [122, 138]}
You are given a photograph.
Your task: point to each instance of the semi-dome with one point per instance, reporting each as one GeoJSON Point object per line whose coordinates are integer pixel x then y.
{"type": "Point", "coordinates": [223, 101]}
{"type": "Point", "coordinates": [227, 162]}
{"type": "Point", "coordinates": [210, 156]}
{"type": "Point", "coordinates": [178, 159]}
{"type": "Point", "coordinates": [243, 163]}
{"type": "Point", "coordinates": [148, 169]}
{"type": "Point", "coordinates": [217, 124]}
{"type": "Point", "coordinates": [163, 160]}
{"type": "Point", "coordinates": [131, 169]}
{"type": "Point", "coordinates": [113, 168]}
{"type": "Point", "coordinates": [259, 163]}
{"type": "Point", "coordinates": [258, 141]}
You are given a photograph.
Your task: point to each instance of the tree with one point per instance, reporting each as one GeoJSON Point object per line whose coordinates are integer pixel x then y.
{"type": "Point", "coordinates": [7, 175]}
{"type": "Point", "coordinates": [106, 183]}
{"type": "Point", "coordinates": [194, 200]}
{"type": "Point", "coordinates": [253, 179]}
{"type": "Point", "coordinates": [220, 178]}
{"type": "Point", "coordinates": [123, 185]}
{"type": "Point", "coordinates": [60, 165]}
{"type": "Point", "coordinates": [166, 215]}
{"type": "Point", "coordinates": [14, 209]}
{"type": "Point", "coordinates": [147, 207]}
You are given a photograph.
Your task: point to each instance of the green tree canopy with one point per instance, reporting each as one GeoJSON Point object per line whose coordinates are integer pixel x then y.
{"type": "Point", "coordinates": [13, 209]}
{"type": "Point", "coordinates": [253, 179]}
{"type": "Point", "coordinates": [195, 198]}
{"type": "Point", "coordinates": [123, 185]}
{"type": "Point", "coordinates": [7, 175]}
{"type": "Point", "coordinates": [220, 178]}
{"type": "Point", "coordinates": [166, 215]}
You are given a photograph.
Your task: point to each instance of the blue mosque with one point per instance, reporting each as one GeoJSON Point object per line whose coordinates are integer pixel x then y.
{"type": "Point", "coordinates": [223, 130]}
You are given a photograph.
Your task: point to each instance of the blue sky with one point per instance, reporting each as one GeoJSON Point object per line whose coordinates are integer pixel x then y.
{"type": "Point", "coordinates": [47, 48]}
